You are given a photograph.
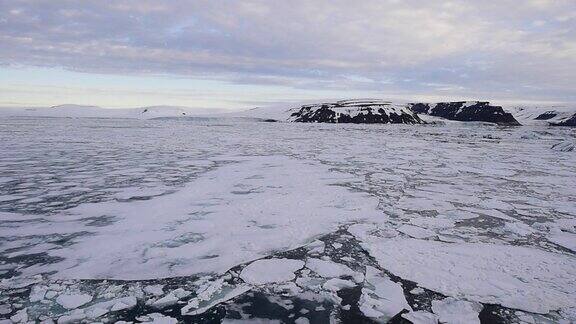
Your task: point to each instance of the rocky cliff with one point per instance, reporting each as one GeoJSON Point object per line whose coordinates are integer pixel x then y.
{"type": "Point", "coordinates": [357, 112]}
{"type": "Point", "coordinates": [480, 111]}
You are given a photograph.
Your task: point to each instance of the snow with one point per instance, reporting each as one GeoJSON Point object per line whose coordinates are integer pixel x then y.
{"type": "Point", "coordinates": [453, 311]}
{"type": "Point", "coordinates": [526, 114]}
{"type": "Point", "coordinates": [268, 271]}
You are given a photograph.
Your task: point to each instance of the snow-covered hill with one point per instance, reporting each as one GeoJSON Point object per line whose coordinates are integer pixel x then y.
{"type": "Point", "coordinates": [358, 111]}
{"type": "Point", "coordinates": [542, 114]}
{"type": "Point", "coordinates": [479, 111]}
{"type": "Point", "coordinates": [352, 110]}
{"type": "Point", "coordinates": [453, 112]}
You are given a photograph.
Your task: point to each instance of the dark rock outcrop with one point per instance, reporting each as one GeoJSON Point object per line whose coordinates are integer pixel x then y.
{"type": "Point", "coordinates": [547, 115]}
{"type": "Point", "coordinates": [356, 112]}
{"type": "Point", "coordinates": [466, 111]}
{"type": "Point", "coordinates": [567, 122]}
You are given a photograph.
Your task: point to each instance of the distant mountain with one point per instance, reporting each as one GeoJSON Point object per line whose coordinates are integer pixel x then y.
{"type": "Point", "coordinates": [566, 122]}
{"type": "Point", "coordinates": [544, 115]}
{"type": "Point", "coordinates": [343, 111]}
{"type": "Point", "coordinates": [79, 111]}
{"type": "Point", "coordinates": [366, 111]}
{"type": "Point", "coordinates": [479, 111]}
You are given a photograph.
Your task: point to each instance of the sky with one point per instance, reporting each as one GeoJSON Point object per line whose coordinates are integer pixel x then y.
{"type": "Point", "coordinates": [241, 54]}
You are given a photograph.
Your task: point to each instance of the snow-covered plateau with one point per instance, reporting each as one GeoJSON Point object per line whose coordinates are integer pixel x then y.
{"type": "Point", "coordinates": [228, 219]}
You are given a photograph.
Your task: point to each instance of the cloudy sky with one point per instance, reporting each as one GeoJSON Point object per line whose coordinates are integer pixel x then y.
{"type": "Point", "coordinates": [229, 54]}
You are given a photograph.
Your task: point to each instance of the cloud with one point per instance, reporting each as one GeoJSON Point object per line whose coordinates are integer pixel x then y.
{"type": "Point", "coordinates": [493, 47]}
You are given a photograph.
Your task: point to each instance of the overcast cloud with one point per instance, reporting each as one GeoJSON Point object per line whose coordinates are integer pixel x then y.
{"type": "Point", "coordinates": [486, 49]}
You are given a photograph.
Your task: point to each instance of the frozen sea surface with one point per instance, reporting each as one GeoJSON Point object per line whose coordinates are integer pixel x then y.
{"type": "Point", "coordinates": [155, 220]}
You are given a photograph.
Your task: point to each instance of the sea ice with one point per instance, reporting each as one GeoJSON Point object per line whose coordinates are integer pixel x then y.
{"type": "Point", "coordinates": [416, 232]}
{"type": "Point", "coordinates": [72, 301]}
{"type": "Point", "coordinates": [203, 303]}
{"type": "Point", "coordinates": [454, 311]}
{"type": "Point", "coordinates": [381, 297]}
{"type": "Point", "coordinates": [157, 318]}
{"type": "Point", "coordinates": [214, 223]}
{"type": "Point", "coordinates": [330, 269]}
{"type": "Point", "coordinates": [268, 271]}
{"type": "Point", "coordinates": [335, 284]}
{"type": "Point", "coordinates": [564, 239]}
{"type": "Point", "coordinates": [168, 300]}
{"type": "Point", "coordinates": [421, 317]}
{"type": "Point", "coordinates": [517, 277]}
{"type": "Point", "coordinates": [156, 290]}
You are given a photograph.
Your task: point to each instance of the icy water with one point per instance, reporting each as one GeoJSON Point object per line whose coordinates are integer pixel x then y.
{"type": "Point", "coordinates": [224, 220]}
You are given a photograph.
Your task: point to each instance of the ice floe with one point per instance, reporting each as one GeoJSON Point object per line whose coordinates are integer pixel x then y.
{"type": "Point", "coordinates": [267, 271]}
{"type": "Point", "coordinates": [382, 298]}
{"type": "Point", "coordinates": [513, 276]}
{"type": "Point", "coordinates": [71, 301]}
{"type": "Point", "coordinates": [454, 311]}
{"type": "Point", "coordinates": [421, 317]}
{"type": "Point", "coordinates": [330, 269]}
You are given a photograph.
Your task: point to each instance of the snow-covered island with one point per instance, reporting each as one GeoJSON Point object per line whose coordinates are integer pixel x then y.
{"type": "Point", "coordinates": [378, 111]}
{"type": "Point", "coordinates": [368, 111]}
{"type": "Point", "coordinates": [355, 111]}
{"type": "Point", "coordinates": [467, 111]}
